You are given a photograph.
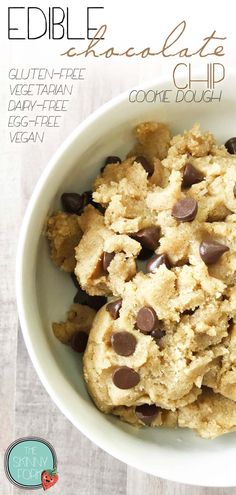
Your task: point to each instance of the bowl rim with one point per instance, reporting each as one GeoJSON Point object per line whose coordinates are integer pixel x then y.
{"type": "Point", "coordinates": [107, 445]}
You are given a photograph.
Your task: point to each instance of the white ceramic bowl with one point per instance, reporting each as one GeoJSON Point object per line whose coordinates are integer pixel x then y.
{"type": "Point", "coordinates": [44, 293]}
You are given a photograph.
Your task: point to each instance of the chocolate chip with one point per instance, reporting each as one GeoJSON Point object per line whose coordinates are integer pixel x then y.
{"type": "Point", "coordinates": [72, 202]}
{"type": "Point", "coordinates": [147, 320]}
{"type": "Point", "coordinates": [211, 251]}
{"type": "Point", "coordinates": [79, 341]}
{"type": "Point", "coordinates": [231, 145]}
{"type": "Point", "coordinates": [123, 343]}
{"type": "Point", "coordinates": [88, 200]}
{"type": "Point", "coordinates": [156, 261]}
{"type": "Point", "coordinates": [81, 297]}
{"type": "Point", "coordinates": [112, 159]}
{"type": "Point", "coordinates": [99, 207]}
{"type": "Point", "coordinates": [148, 237]}
{"type": "Point", "coordinates": [230, 325]}
{"type": "Point", "coordinates": [75, 281]}
{"type": "Point", "coordinates": [182, 262]}
{"type": "Point", "coordinates": [147, 413]}
{"type": "Point", "coordinates": [145, 254]}
{"type": "Point", "coordinates": [87, 197]}
{"type": "Point", "coordinates": [94, 302]}
{"type": "Point", "coordinates": [145, 164]}
{"type": "Point", "coordinates": [158, 334]}
{"type": "Point", "coordinates": [185, 209]}
{"type": "Point", "coordinates": [106, 260]}
{"type": "Point", "coordinates": [189, 312]}
{"type": "Point", "coordinates": [109, 160]}
{"type": "Point", "coordinates": [75, 203]}
{"type": "Point", "coordinates": [114, 308]}
{"type": "Point", "coordinates": [234, 190]}
{"type": "Point", "coordinates": [125, 377]}
{"type": "Point", "coordinates": [191, 175]}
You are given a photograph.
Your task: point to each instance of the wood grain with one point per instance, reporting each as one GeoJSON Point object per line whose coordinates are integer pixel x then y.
{"type": "Point", "coordinates": [25, 407]}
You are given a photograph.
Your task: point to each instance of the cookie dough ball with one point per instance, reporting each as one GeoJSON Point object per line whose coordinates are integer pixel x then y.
{"type": "Point", "coordinates": [128, 178]}
{"type": "Point", "coordinates": [105, 260]}
{"type": "Point", "coordinates": [222, 375]}
{"type": "Point", "coordinates": [64, 234]}
{"type": "Point", "coordinates": [153, 140]}
{"type": "Point", "coordinates": [147, 415]}
{"type": "Point", "coordinates": [210, 416]}
{"type": "Point", "coordinates": [193, 142]}
{"type": "Point", "coordinates": [158, 346]}
{"type": "Point", "coordinates": [79, 318]}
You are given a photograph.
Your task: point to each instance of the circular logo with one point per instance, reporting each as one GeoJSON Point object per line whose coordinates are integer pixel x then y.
{"type": "Point", "coordinates": [31, 463]}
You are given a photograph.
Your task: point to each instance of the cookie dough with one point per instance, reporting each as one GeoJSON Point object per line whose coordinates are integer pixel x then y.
{"type": "Point", "coordinates": [159, 239]}
{"type": "Point", "coordinates": [64, 233]}
{"type": "Point", "coordinates": [210, 416]}
{"type": "Point", "coordinates": [97, 242]}
{"type": "Point", "coordinates": [79, 319]}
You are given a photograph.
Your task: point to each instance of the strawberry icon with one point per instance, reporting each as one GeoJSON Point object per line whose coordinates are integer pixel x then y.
{"type": "Point", "coordinates": [49, 478]}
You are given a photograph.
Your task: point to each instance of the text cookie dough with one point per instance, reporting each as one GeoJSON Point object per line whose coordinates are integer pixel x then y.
{"type": "Point", "coordinates": [152, 252]}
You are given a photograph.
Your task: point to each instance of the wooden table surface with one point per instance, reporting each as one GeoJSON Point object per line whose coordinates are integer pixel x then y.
{"type": "Point", "coordinates": [26, 408]}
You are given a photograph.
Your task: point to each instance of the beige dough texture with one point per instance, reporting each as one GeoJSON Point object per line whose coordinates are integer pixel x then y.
{"type": "Point", "coordinates": [185, 363]}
